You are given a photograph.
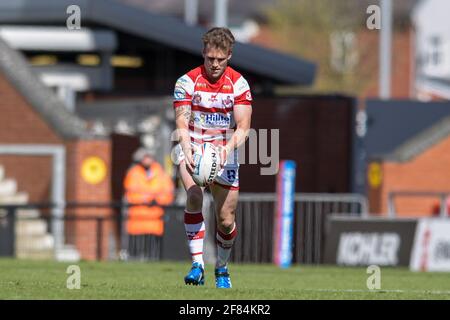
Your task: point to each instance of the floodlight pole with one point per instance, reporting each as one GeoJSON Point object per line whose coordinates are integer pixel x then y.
{"type": "Point", "coordinates": [221, 13]}
{"type": "Point", "coordinates": [385, 49]}
{"type": "Point", "coordinates": [191, 12]}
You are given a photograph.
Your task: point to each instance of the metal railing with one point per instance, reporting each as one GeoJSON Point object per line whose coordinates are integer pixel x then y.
{"type": "Point", "coordinates": [104, 234]}
{"type": "Point", "coordinates": [442, 196]}
{"type": "Point", "coordinates": [98, 234]}
{"type": "Point", "coordinates": [93, 224]}
{"type": "Point", "coordinates": [255, 220]}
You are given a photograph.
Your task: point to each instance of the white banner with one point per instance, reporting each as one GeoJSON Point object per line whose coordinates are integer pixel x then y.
{"type": "Point", "coordinates": [431, 248]}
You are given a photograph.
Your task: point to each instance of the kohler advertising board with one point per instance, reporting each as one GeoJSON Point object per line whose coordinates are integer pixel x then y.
{"type": "Point", "coordinates": [374, 241]}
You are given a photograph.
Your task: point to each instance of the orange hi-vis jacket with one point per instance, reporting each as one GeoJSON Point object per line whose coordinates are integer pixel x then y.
{"type": "Point", "coordinates": [142, 187]}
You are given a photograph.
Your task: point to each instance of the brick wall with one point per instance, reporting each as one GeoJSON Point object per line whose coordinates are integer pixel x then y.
{"type": "Point", "coordinates": [32, 173]}
{"type": "Point", "coordinates": [402, 68]}
{"type": "Point", "coordinates": [84, 233]}
{"type": "Point", "coordinates": [429, 171]}
{"type": "Point", "coordinates": [19, 124]}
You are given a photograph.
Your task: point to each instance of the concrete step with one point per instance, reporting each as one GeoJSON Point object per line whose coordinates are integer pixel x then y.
{"type": "Point", "coordinates": [35, 243]}
{"type": "Point", "coordinates": [36, 255]}
{"type": "Point", "coordinates": [27, 214]}
{"type": "Point", "coordinates": [17, 198]}
{"type": "Point", "coordinates": [27, 228]}
{"type": "Point", "coordinates": [68, 253]}
{"type": "Point", "coordinates": [8, 187]}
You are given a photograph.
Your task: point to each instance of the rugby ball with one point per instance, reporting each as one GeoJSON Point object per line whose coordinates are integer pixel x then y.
{"type": "Point", "coordinates": [206, 164]}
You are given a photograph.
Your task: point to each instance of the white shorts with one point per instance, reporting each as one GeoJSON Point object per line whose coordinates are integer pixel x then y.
{"type": "Point", "coordinates": [228, 176]}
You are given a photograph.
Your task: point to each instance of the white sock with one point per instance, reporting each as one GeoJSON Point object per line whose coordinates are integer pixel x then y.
{"type": "Point", "coordinates": [195, 232]}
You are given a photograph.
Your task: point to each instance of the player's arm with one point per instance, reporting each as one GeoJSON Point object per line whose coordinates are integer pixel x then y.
{"type": "Point", "coordinates": [242, 116]}
{"type": "Point", "coordinates": [182, 116]}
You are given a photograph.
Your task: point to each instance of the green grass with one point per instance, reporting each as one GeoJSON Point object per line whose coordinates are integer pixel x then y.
{"type": "Point", "coordinates": [20, 279]}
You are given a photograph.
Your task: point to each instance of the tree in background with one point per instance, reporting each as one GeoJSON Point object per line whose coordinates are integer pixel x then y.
{"type": "Point", "coordinates": [331, 34]}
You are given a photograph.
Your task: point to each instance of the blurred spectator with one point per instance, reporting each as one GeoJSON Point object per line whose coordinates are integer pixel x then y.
{"type": "Point", "coordinates": [437, 208]}
{"type": "Point", "coordinates": [147, 185]}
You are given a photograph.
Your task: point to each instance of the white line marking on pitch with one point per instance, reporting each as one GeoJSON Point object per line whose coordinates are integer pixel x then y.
{"type": "Point", "coordinates": [381, 291]}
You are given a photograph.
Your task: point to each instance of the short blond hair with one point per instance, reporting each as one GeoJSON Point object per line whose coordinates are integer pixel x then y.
{"type": "Point", "coordinates": [220, 38]}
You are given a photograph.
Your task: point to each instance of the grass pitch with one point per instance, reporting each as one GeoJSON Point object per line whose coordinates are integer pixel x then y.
{"type": "Point", "coordinates": [20, 279]}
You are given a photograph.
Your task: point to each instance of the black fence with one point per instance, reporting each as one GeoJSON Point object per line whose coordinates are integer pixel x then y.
{"type": "Point", "coordinates": [98, 230]}
{"type": "Point", "coordinates": [255, 221]}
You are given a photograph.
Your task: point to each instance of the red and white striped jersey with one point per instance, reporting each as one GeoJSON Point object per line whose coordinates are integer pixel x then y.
{"type": "Point", "coordinates": [211, 103]}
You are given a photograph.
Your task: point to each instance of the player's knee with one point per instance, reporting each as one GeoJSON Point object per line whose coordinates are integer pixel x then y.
{"type": "Point", "coordinates": [226, 223]}
{"type": "Point", "coordinates": [194, 198]}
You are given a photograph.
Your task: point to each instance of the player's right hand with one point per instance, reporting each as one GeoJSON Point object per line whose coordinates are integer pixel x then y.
{"type": "Point", "coordinates": [223, 155]}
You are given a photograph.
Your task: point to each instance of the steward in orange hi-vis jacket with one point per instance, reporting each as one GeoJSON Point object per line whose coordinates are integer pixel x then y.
{"type": "Point", "coordinates": [145, 182]}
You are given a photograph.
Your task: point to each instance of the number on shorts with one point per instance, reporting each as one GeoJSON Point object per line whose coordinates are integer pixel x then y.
{"type": "Point", "coordinates": [231, 175]}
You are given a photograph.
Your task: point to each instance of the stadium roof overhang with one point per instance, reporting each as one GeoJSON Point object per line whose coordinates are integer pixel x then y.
{"type": "Point", "coordinates": [276, 66]}
{"type": "Point", "coordinates": [421, 142]}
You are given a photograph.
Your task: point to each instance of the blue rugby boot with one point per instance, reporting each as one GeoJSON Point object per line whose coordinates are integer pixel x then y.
{"type": "Point", "coordinates": [222, 278]}
{"type": "Point", "coordinates": [196, 275]}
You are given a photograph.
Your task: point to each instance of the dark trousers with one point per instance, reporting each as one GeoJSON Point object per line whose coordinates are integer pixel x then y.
{"type": "Point", "coordinates": [144, 247]}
